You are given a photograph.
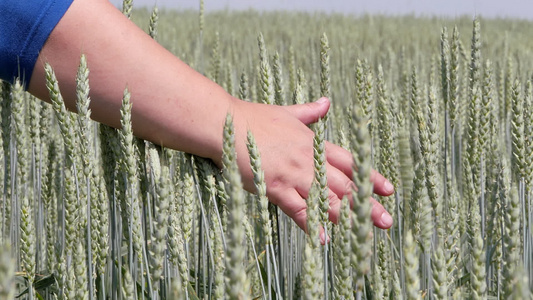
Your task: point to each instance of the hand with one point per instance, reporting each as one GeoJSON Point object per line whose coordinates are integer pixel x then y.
{"type": "Point", "coordinates": [286, 147]}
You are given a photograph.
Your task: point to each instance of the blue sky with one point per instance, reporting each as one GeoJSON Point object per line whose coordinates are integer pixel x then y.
{"type": "Point", "coordinates": [449, 8]}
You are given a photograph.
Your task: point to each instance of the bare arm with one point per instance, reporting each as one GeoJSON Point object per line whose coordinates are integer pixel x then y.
{"type": "Point", "coordinates": [177, 107]}
{"type": "Point", "coordinates": [119, 54]}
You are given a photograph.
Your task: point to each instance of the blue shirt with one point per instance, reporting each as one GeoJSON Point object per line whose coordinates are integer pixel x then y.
{"type": "Point", "coordinates": [24, 28]}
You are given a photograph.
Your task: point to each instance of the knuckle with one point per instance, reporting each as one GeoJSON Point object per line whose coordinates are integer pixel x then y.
{"type": "Point", "coordinates": [300, 216]}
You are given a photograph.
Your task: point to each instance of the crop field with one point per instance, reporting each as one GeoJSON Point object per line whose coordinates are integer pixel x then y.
{"type": "Point", "coordinates": [441, 107]}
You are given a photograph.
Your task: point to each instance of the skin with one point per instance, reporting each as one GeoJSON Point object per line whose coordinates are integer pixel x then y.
{"type": "Point", "coordinates": [169, 108]}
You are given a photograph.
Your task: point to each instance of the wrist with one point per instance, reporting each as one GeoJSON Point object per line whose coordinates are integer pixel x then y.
{"type": "Point", "coordinates": [232, 105]}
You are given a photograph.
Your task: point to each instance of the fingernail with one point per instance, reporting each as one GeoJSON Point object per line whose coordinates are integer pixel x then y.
{"type": "Point", "coordinates": [389, 188]}
{"type": "Point", "coordinates": [323, 100]}
{"type": "Point", "coordinates": [386, 219]}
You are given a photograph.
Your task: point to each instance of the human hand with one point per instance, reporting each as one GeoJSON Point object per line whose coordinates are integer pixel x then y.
{"type": "Point", "coordinates": [286, 147]}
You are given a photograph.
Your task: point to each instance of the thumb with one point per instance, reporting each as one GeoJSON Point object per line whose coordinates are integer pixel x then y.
{"type": "Point", "coordinates": [309, 113]}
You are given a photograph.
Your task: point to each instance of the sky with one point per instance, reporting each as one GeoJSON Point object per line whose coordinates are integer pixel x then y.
{"type": "Point", "coordinates": [450, 8]}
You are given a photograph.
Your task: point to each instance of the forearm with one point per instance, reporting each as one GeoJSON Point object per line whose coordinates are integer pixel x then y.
{"type": "Point", "coordinates": [169, 108]}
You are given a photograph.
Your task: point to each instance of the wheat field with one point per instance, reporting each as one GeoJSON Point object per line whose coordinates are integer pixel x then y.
{"type": "Point", "coordinates": [441, 107]}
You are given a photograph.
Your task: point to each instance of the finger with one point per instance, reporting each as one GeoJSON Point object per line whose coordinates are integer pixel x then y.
{"type": "Point", "coordinates": [309, 113]}
{"type": "Point", "coordinates": [323, 236]}
{"type": "Point", "coordinates": [382, 186]}
{"type": "Point", "coordinates": [343, 160]}
{"type": "Point", "coordinates": [293, 205]}
{"type": "Point", "coordinates": [334, 207]}
{"type": "Point", "coordinates": [380, 216]}
{"type": "Point", "coordinates": [340, 158]}
{"type": "Point", "coordinates": [339, 183]}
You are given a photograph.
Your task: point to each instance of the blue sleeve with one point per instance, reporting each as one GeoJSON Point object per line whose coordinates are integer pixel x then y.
{"type": "Point", "coordinates": [24, 28]}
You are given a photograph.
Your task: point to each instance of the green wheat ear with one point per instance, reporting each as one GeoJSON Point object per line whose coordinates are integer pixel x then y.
{"type": "Point", "coordinates": [266, 79]}
{"type": "Point", "coordinates": [361, 226]}
{"type": "Point", "coordinates": [382, 276]}
{"type": "Point", "coordinates": [129, 178]}
{"type": "Point", "coordinates": [277, 69]}
{"type": "Point", "coordinates": [344, 278]}
{"type": "Point", "coordinates": [454, 79]}
{"type": "Point", "coordinates": [244, 87]}
{"type": "Point", "coordinates": [511, 241]}
{"type": "Point", "coordinates": [478, 286]}
{"type": "Point", "coordinates": [89, 210]}
{"type": "Point", "coordinates": [298, 97]}
{"type": "Point", "coordinates": [80, 270]}
{"type": "Point", "coordinates": [325, 81]}
{"type": "Point", "coordinates": [27, 240]}
{"type": "Point", "coordinates": [214, 73]}
{"type": "Point", "coordinates": [517, 131]}
{"type": "Point", "coordinates": [127, 8]}
{"type": "Point", "coordinates": [412, 279]}
{"type": "Point", "coordinates": [313, 286]}
{"type": "Point", "coordinates": [260, 185]}
{"type": "Point", "coordinates": [386, 128]}
{"type": "Point", "coordinates": [528, 131]}
{"type": "Point", "coordinates": [127, 286]}
{"type": "Point", "coordinates": [475, 56]}
{"type": "Point", "coordinates": [445, 66]}
{"type": "Point", "coordinates": [420, 199]}
{"type": "Point", "coordinates": [63, 117]}
{"type": "Point", "coordinates": [237, 285]}
{"type": "Point", "coordinates": [319, 146]}
{"type": "Point", "coordinates": [201, 18]}
{"type": "Point", "coordinates": [160, 229]}
{"type": "Point", "coordinates": [27, 233]}
{"type": "Point", "coordinates": [154, 18]}
{"type": "Point", "coordinates": [440, 280]}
